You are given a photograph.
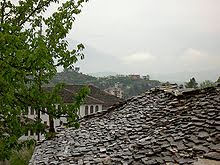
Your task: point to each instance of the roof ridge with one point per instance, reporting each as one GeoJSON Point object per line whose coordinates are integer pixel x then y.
{"type": "Point", "coordinates": [68, 90]}
{"type": "Point", "coordinates": [95, 98]}
{"type": "Point", "coordinates": [184, 92]}
{"type": "Point", "coordinates": [86, 96]}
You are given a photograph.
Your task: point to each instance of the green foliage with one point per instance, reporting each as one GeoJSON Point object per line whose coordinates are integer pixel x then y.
{"type": "Point", "coordinates": [218, 81]}
{"type": "Point", "coordinates": [129, 86]}
{"type": "Point", "coordinates": [29, 57]}
{"type": "Point", "coordinates": [50, 135]}
{"type": "Point", "coordinates": [72, 77]}
{"type": "Point", "coordinates": [206, 83]}
{"type": "Point", "coordinates": [192, 83]}
{"type": "Point", "coordinates": [71, 109]}
{"type": "Point", "coordinates": [22, 157]}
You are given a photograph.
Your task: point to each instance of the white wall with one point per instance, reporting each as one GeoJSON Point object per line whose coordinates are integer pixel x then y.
{"type": "Point", "coordinates": [57, 122]}
{"type": "Point", "coordinates": [34, 136]}
{"type": "Point", "coordinates": [83, 107]}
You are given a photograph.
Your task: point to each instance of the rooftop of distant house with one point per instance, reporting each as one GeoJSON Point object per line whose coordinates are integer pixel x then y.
{"type": "Point", "coordinates": [96, 95]}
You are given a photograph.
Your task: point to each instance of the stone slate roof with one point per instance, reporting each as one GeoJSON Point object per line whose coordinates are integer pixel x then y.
{"type": "Point", "coordinates": [154, 128]}
{"type": "Point", "coordinates": [107, 98]}
{"type": "Point", "coordinates": [96, 96]}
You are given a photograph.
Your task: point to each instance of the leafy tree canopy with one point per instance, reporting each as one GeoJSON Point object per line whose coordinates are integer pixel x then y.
{"type": "Point", "coordinates": [192, 83]}
{"type": "Point", "coordinates": [218, 80]}
{"type": "Point", "coordinates": [31, 48]}
{"type": "Point", "coordinates": [206, 83]}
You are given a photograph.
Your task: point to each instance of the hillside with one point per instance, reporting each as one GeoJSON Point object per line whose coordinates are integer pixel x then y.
{"type": "Point", "coordinates": [103, 74]}
{"type": "Point", "coordinates": [129, 86]}
{"type": "Point", "coordinates": [72, 77]}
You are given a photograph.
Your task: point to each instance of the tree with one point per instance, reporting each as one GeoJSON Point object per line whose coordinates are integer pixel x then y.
{"type": "Point", "coordinates": [31, 48]}
{"type": "Point", "coordinates": [192, 83]}
{"type": "Point", "coordinates": [218, 81]}
{"type": "Point", "coordinates": [206, 83]}
{"type": "Point", "coordinates": [147, 77]}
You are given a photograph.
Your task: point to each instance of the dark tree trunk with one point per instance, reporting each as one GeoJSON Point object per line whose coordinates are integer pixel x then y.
{"type": "Point", "coordinates": [51, 124]}
{"type": "Point", "coordinates": [38, 131]}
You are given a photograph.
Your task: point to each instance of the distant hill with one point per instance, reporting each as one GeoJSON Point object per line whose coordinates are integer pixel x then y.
{"type": "Point", "coordinates": [103, 74]}
{"type": "Point", "coordinates": [129, 86]}
{"type": "Point", "coordinates": [72, 77]}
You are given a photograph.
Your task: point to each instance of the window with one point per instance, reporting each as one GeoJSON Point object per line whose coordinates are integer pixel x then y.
{"type": "Point", "coordinates": [96, 108]}
{"type": "Point", "coordinates": [32, 111]}
{"type": "Point", "coordinates": [91, 109]}
{"type": "Point", "coordinates": [86, 110]}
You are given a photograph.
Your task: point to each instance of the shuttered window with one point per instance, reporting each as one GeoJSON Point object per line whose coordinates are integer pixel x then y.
{"type": "Point", "coordinates": [96, 108]}
{"type": "Point", "coordinates": [32, 111]}
{"type": "Point", "coordinates": [91, 109]}
{"type": "Point", "coordinates": [86, 110]}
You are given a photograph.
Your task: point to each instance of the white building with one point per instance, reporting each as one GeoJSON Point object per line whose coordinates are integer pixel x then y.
{"type": "Point", "coordinates": [96, 101]}
{"type": "Point", "coordinates": [116, 91]}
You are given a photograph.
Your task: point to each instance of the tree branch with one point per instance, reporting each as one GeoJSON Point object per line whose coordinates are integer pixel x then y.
{"type": "Point", "coordinates": [25, 19]}
{"type": "Point", "coordinates": [39, 6]}
{"type": "Point", "coordinates": [3, 10]}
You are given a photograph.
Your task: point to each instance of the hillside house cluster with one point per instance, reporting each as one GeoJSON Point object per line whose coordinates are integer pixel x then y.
{"type": "Point", "coordinates": [135, 76]}
{"type": "Point", "coordinates": [116, 91]}
{"type": "Point", "coordinates": [138, 77]}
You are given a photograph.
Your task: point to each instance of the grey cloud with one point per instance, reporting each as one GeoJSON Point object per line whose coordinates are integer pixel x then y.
{"type": "Point", "coordinates": [169, 36]}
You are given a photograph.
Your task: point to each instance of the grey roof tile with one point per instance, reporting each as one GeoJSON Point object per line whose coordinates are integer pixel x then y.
{"type": "Point", "coordinates": [154, 128]}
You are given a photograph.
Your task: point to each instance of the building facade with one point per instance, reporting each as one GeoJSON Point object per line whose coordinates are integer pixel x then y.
{"type": "Point", "coordinates": [115, 91]}
{"type": "Point", "coordinates": [95, 102]}
{"type": "Point", "coordinates": [135, 76]}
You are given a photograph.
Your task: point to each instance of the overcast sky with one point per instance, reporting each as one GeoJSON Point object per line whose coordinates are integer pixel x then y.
{"type": "Point", "coordinates": [149, 36]}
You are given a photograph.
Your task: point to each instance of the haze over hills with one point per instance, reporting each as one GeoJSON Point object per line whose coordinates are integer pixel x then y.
{"type": "Point", "coordinates": [179, 77]}
{"type": "Point", "coordinates": [100, 64]}
{"type": "Point", "coordinates": [94, 60]}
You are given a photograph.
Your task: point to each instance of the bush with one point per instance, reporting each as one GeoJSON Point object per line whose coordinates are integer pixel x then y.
{"type": "Point", "coordinates": [206, 84]}
{"type": "Point", "coordinates": [22, 157]}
